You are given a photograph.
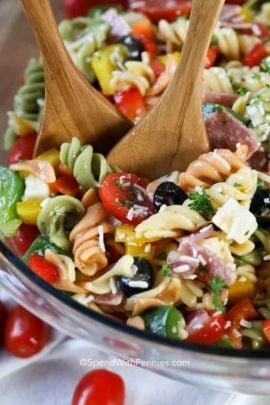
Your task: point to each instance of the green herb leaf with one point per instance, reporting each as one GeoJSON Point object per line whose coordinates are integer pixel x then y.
{"type": "Point", "coordinates": [241, 90]}
{"type": "Point", "coordinates": [200, 202]}
{"type": "Point", "coordinates": [237, 185]}
{"type": "Point", "coordinates": [217, 284]}
{"type": "Point", "coordinates": [166, 269]}
{"type": "Point", "coordinates": [128, 203]}
{"type": "Point", "coordinates": [214, 40]}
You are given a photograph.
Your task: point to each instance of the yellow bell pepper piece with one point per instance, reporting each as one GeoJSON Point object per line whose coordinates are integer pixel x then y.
{"type": "Point", "coordinates": [28, 210]}
{"type": "Point", "coordinates": [22, 127]}
{"type": "Point", "coordinates": [145, 251]}
{"type": "Point", "coordinates": [51, 156]}
{"type": "Point", "coordinates": [164, 59]}
{"type": "Point", "coordinates": [247, 14]}
{"type": "Point", "coordinates": [240, 290]}
{"type": "Point", "coordinates": [103, 66]}
{"type": "Point", "coordinates": [126, 234]}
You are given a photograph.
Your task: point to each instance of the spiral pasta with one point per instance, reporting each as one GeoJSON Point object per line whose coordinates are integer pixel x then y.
{"type": "Point", "coordinates": [83, 36]}
{"type": "Point", "coordinates": [264, 15]}
{"type": "Point", "coordinates": [57, 216]}
{"type": "Point", "coordinates": [217, 79]}
{"type": "Point", "coordinates": [246, 272]}
{"type": "Point", "coordinates": [174, 33]}
{"type": "Point", "coordinates": [87, 238]}
{"type": "Point", "coordinates": [210, 168]}
{"type": "Point", "coordinates": [89, 168]}
{"type": "Point", "coordinates": [134, 74]}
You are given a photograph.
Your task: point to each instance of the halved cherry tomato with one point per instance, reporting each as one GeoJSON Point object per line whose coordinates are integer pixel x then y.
{"type": "Point", "coordinates": [100, 387]}
{"type": "Point", "coordinates": [3, 317]}
{"type": "Point", "coordinates": [255, 56]}
{"type": "Point", "coordinates": [130, 103]}
{"type": "Point", "coordinates": [44, 269]}
{"type": "Point", "coordinates": [65, 184]}
{"type": "Point", "coordinates": [25, 334]}
{"type": "Point", "coordinates": [242, 310]}
{"type": "Point", "coordinates": [266, 329]}
{"type": "Point", "coordinates": [23, 149]}
{"type": "Point", "coordinates": [157, 10]}
{"type": "Point", "coordinates": [77, 8]}
{"type": "Point", "coordinates": [209, 331]}
{"type": "Point", "coordinates": [123, 197]}
{"type": "Point", "coordinates": [25, 236]}
{"type": "Point", "coordinates": [212, 55]}
{"type": "Point", "coordinates": [157, 67]}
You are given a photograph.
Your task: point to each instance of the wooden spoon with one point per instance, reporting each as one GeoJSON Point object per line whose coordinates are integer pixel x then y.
{"type": "Point", "coordinates": [72, 106]}
{"type": "Point", "coordinates": [173, 134]}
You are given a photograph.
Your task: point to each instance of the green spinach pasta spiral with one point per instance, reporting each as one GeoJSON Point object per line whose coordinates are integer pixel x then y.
{"type": "Point", "coordinates": [89, 168]}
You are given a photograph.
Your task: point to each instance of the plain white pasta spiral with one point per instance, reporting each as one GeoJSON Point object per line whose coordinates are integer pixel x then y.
{"type": "Point", "coordinates": [246, 272]}
{"type": "Point", "coordinates": [174, 33]}
{"type": "Point", "coordinates": [217, 79]}
{"type": "Point", "coordinates": [135, 74]}
{"type": "Point", "coordinates": [250, 78]}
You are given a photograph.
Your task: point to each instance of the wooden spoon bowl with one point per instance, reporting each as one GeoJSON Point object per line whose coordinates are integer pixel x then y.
{"type": "Point", "coordinates": [72, 106]}
{"type": "Point", "coordinates": [174, 134]}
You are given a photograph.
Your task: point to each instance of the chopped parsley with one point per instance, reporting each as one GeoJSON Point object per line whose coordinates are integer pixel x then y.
{"type": "Point", "coordinates": [200, 202]}
{"type": "Point", "coordinates": [241, 90]}
{"type": "Point", "coordinates": [256, 76]}
{"type": "Point", "coordinates": [128, 203]}
{"type": "Point", "coordinates": [203, 270]}
{"type": "Point", "coordinates": [162, 256]}
{"type": "Point", "coordinates": [237, 185]}
{"type": "Point", "coordinates": [260, 186]}
{"type": "Point", "coordinates": [217, 284]}
{"type": "Point", "coordinates": [166, 269]}
{"type": "Point", "coordinates": [117, 183]}
{"type": "Point", "coordinates": [214, 40]}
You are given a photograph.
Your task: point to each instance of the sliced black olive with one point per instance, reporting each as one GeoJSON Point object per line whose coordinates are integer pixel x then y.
{"type": "Point", "coordinates": [142, 280]}
{"type": "Point", "coordinates": [260, 207]}
{"type": "Point", "coordinates": [170, 194]}
{"type": "Point", "coordinates": [133, 46]}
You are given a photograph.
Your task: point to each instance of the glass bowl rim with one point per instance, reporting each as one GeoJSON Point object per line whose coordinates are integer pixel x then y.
{"type": "Point", "coordinates": [251, 354]}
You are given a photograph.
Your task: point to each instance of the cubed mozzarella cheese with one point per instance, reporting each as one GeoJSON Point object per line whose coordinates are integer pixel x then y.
{"type": "Point", "coordinates": [35, 188]}
{"type": "Point", "coordinates": [236, 221]}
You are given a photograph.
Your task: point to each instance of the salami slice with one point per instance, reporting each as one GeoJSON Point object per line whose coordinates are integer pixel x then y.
{"type": "Point", "coordinates": [214, 97]}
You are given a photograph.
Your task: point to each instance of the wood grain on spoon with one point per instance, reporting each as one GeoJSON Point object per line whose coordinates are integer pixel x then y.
{"type": "Point", "coordinates": [72, 106]}
{"type": "Point", "coordinates": [173, 134]}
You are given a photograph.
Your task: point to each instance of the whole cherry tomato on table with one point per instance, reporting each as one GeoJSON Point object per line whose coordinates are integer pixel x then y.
{"type": "Point", "coordinates": [100, 387]}
{"type": "Point", "coordinates": [25, 334]}
{"type": "Point", "coordinates": [76, 8]}
{"type": "Point", "coordinates": [3, 316]}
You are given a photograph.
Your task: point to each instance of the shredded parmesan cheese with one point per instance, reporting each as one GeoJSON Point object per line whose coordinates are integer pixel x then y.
{"type": "Point", "coordinates": [101, 238]}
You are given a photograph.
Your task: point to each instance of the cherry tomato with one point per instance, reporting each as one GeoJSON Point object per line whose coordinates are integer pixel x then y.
{"type": "Point", "coordinates": [241, 310]}
{"type": "Point", "coordinates": [66, 185]}
{"type": "Point", "coordinates": [209, 331]}
{"type": "Point", "coordinates": [3, 317]}
{"type": "Point", "coordinates": [100, 387]}
{"type": "Point", "coordinates": [266, 329]}
{"type": "Point", "coordinates": [149, 46]}
{"type": "Point", "coordinates": [76, 8]}
{"type": "Point", "coordinates": [212, 55]}
{"type": "Point", "coordinates": [157, 10]}
{"type": "Point", "coordinates": [24, 238]}
{"type": "Point", "coordinates": [23, 149]}
{"type": "Point", "coordinates": [122, 192]}
{"type": "Point", "coordinates": [25, 334]}
{"type": "Point", "coordinates": [157, 67]}
{"type": "Point", "coordinates": [255, 56]}
{"type": "Point", "coordinates": [44, 269]}
{"type": "Point", "coordinates": [130, 103]}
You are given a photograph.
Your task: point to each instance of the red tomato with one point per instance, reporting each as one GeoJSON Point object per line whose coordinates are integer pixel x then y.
{"type": "Point", "coordinates": [241, 310]}
{"type": "Point", "coordinates": [65, 184]}
{"type": "Point", "coordinates": [212, 55]}
{"type": "Point", "coordinates": [157, 10]}
{"type": "Point", "coordinates": [100, 387]}
{"type": "Point", "coordinates": [210, 331]}
{"type": "Point", "coordinates": [3, 317]}
{"type": "Point", "coordinates": [259, 30]}
{"type": "Point", "coordinates": [130, 103]}
{"type": "Point", "coordinates": [24, 238]}
{"type": "Point", "coordinates": [122, 191]}
{"type": "Point", "coordinates": [149, 46]}
{"type": "Point", "coordinates": [44, 269]}
{"type": "Point", "coordinates": [76, 8]}
{"type": "Point", "coordinates": [157, 67]}
{"type": "Point", "coordinates": [266, 329]}
{"type": "Point", "coordinates": [25, 334]}
{"type": "Point", "coordinates": [256, 55]}
{"type": "Point", "coordinates": [144, 28]}
{"type": "Point", "coordinates": [23, 149]}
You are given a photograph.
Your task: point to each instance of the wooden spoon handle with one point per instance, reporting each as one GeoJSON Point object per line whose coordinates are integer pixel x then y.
{"type": "Point", "coordinates": [41, 18]}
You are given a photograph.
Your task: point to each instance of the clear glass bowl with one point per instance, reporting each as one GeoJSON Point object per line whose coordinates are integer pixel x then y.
{"type": "Point", "coordinates": [243, 371]}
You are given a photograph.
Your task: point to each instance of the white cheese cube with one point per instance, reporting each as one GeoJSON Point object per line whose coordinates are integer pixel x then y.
{"type": "Point", "coordinates": [35, 188]}
{"type": "Point", "coordinates": [236, 221]}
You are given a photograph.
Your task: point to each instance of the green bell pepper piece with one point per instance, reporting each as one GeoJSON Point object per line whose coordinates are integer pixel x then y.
{"type": "Point", "coordinates": [165, 321]}
{"type": "Point", "coordinates": [11, 191]}
{"type": "Point", "coordinates": [39, 246]}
